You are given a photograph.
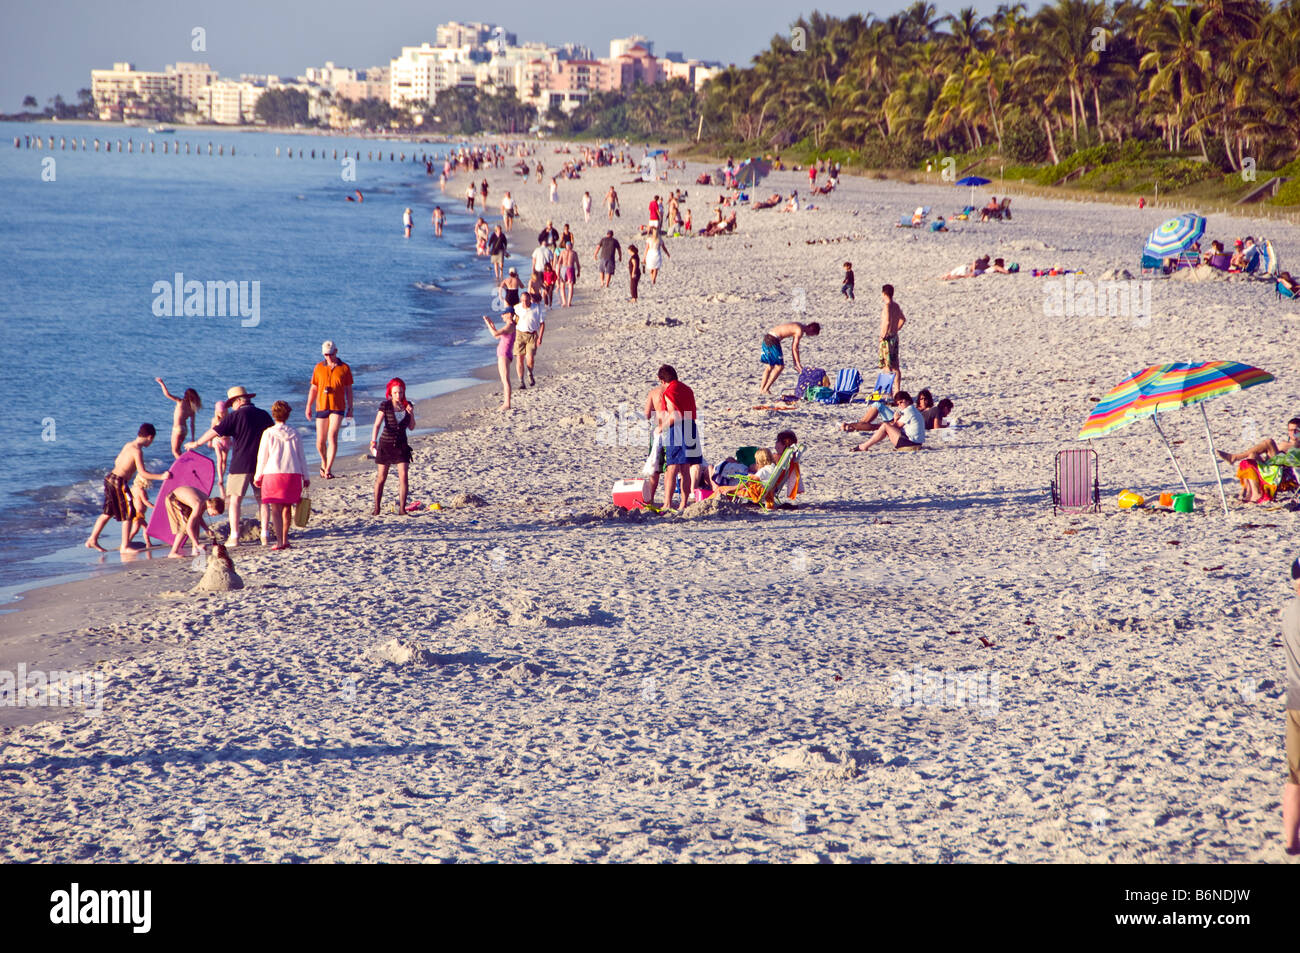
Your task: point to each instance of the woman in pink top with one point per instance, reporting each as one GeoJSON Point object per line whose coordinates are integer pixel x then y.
{"type": "Point", "coordinates": [281, 472]}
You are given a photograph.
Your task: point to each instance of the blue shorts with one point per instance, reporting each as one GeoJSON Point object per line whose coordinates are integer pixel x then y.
{"type": "Point", "coordinates": [678, 455]}
{"type": "Point", "coordinates": [772, 355]}
{"type": "Point", "coordinates": [322, 414]}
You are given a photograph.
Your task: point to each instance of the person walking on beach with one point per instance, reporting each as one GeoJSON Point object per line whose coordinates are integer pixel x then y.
{"type": "Point", "coordinates": [407, 222]}
{"type": "Point", "coordinates": [606, 250]}
{"type": "Point", "coordinates": [496, 247]}
{"type": "Point", "coordinates": [439, 217]}
{"type": "Point", "coordinates": [611, 203]}
{"type": "Point", "coordinates": [530, 326]}
{"type": "Point", "coordinates": [655, 252]}
{"type": "Point", "coordinates": [508, 211]}
{"type": "Point", "coordinates": [1291, 792]}
{"type": "Point", "coordinates": [469, 198]}
{"type": "Point", "coordinates": [541, 260]}
{"type": "Point", "coordinates": [186, 410]}
{"type": "Point", "coordinates": [555, 190]}
{"type": "Point", "coordinates": [330, 396]}
{"type": "Point", "coordinates": [653, 222]}
{"type": "Point", "coordinates": [244, 425]}
{"type": "Point", "coordinates": [505, 336]}
{"type": "Point", "coordinates": [510, 288]}
{"type": "Point", "coordinates": [396, 416]}
{"type": "Point", "coordinates": [774, 359]}
{"type": "Point", "coordinates": [118, 503]}
{"type": "Point", "coordinates": [891, 322]}
{"type": "Point", "coordinates": [567, 267]}
{"type": "Point", "coordinates": [281, 473]}
{"type": "Point", "coordinates": [633, 271]}
{"type": "Point", "coordinates": [548, 235]}
{"type": "Point", "coordinates": [846, 288]}
{"type": "Point", "coordinates": [586, 206]}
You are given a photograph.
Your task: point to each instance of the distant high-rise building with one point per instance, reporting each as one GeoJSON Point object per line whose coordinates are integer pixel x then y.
{"type": "Point", "coordinates": [620, 46]}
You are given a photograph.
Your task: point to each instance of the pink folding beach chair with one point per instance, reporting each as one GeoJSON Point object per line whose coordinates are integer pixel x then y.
{"type": "Point", "coordinates": [1075, 488]}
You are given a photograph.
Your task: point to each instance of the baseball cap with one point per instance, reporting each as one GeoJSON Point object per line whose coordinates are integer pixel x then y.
{"type": "Point", "coordinates": [328, 348]}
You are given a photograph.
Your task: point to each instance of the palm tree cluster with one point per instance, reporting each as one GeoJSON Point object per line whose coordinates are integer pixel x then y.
{"type": "Point", "coordinates": [1221, 77]}
{"type": "Point", "coordinates": [659, 110]}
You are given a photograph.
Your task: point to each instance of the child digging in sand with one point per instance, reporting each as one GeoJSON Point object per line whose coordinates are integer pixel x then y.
{"type": "Point", "coordinates": [185, 508]}
{"type": "Point", "coordinates": [772, 356]}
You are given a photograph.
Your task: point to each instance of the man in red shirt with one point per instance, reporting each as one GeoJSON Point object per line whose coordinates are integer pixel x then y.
{"type": "Point", "coordinates": [683, 454]}
{"type": "Point", "coordinates": [654, 212]}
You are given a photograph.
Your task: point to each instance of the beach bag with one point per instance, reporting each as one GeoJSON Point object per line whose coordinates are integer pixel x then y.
{"type": "Point", "coordinates": [302, 512]}
{"type": "Point", "coordinates": [824, 395]}
{"type": "Point", "coordinates": [809, 377]}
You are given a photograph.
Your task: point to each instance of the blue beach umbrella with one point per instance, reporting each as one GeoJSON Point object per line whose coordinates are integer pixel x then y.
{"type": "Point", "coordinates": [1175, 235]}
{"type": "Point", "coordinates": [973, 181]}
{"type": "Point", "coordinates": [657, 152]}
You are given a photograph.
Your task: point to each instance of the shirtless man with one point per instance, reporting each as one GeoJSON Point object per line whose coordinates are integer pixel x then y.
{"type": "Point", "coordinates": [568, 267]}
{"type": "Point", "coordinates": [772, 356]}
{"type": "Point", "coordinates": [891, 322]}
{"type": "Point", "coordinates": [186, 408]}
{"type": "Point", "coordinates": [117, 488]}
{"type": "Point", "coordinates": [185, 507]}
{"type": "Point", "coordinates": [1268, 448]}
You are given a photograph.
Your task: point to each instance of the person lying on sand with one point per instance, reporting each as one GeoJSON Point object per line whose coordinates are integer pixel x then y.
{"type": "Point", "coordinates": [933, 413]}
{"type": "Point", "coordinates": [973, 270]}
{"type": "Point", "coordinates": [772, 201]}
{"type": "Point", "coordinates": [907, 429]}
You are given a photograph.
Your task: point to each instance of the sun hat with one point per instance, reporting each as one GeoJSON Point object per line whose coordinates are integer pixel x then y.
{"type": "Point", "coordinates": [328, 347]}
{"type": "Point", "coordinates": [238, 392]}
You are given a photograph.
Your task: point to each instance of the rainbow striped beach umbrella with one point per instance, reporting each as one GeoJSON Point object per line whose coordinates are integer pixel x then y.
{"type": "Point", "coordinates": [1175, 235]}
{"type": "Point", "coordinates": [1168, 387]}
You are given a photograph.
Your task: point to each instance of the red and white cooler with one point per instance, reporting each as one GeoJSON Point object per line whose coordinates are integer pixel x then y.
{"type": "Point", "coordinates": [630, 494]}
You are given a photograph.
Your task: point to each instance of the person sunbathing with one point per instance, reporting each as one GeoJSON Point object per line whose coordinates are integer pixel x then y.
{"type": "Point", "coordinates": [793, 204]}
{"type": "Point", "coordinates": [1267, 448]}
{"type": "Point", "coordinates": [973, 270]}
{"type": "Point", "coordinates": [770, 202]}
{"type": "Point", "coordinates": [999, 267]}
{"type": "Point", "coordinates": [992, 210]}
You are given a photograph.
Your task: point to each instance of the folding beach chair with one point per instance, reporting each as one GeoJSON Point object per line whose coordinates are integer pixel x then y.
{"type": "Point", "coordinates": [965, 214]}
{"type": "Point", "coordinates": [764, 493]}
{"type": "Point", "coordinates": [847, 383]}
{"type": "Point", "coordinates": [1283, 291]}
{"type": "Point", "coordinates": [1268, 260]}
{"type": "Point", "coordinates": [809, 377]}
{"type": "Point", "coordinates": [1074, 485]}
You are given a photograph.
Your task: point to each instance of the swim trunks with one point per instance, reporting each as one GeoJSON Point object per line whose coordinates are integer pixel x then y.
{"type": "Point", "coordinates": [568, 274]}
{"type": "Point", "coordinates": [889, 351]}
{"type": "Point", "coordinates": [117, 499]}
{"type": "Point", "coordinates": [772, 351]}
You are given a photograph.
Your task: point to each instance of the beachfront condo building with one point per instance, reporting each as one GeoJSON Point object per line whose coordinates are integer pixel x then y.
{"type": "Point", "coordinates": [125, 91]}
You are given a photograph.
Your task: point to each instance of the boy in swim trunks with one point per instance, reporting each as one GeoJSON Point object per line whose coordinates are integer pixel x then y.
{"type": "Point", "coordinates": [118, 504]}
{"type": "Point", "coordinates": [772, 356]}
{"type": "Point", "coordinates": [891, 322]}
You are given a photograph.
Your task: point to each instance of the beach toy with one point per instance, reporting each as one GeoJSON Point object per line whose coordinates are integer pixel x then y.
{"type": "Point", "coordinates": [435, 506]}
{"type": "Point", "coordinates": [413, 507]}
{"type": "Point", "coordinates": [1166, 499]}
{"type": "Point", "coordinates": [1184, 503]}
{"type": "Point", "coordinates": [1128, 499]}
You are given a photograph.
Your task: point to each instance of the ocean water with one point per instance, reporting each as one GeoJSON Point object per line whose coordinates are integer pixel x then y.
{"type": "Point", "coordinates": [86, 239]}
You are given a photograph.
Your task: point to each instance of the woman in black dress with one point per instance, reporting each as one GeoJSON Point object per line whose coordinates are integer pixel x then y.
{"type": "Point", "coordinates": [396, 416]}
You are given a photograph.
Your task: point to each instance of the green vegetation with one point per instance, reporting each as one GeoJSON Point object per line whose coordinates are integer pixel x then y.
{"type": "Point", "coordinates": [1127, 97]}
{"type": "Point", "coordinates": [646, 112]}
{"type": "Point", "coordinates": [282, 107]}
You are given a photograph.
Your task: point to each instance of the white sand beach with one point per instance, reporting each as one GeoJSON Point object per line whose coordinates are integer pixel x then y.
{"type": "Point", "coordinates": [530, 674]}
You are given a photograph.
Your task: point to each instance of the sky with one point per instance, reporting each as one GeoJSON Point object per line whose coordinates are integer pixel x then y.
{"type": "Point", "coordinates": [50, 46]}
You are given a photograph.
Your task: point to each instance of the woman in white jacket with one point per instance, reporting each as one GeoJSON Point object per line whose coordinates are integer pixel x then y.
{"type": "Point", "coordinates": [281, 472]}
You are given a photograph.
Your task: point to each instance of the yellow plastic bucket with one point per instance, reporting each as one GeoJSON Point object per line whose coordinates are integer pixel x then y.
{"type": "Point", "coordinates": [1128, 499]}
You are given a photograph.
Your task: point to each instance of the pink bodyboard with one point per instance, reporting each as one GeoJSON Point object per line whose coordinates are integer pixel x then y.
{"type": "Point", "coordinates": [191, 468]}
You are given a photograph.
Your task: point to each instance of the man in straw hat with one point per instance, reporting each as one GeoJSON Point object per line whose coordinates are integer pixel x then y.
{"type": "Point", "coordinates": [243, 424]}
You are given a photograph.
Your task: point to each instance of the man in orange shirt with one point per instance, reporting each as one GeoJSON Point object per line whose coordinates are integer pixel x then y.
{"type": "Point", "coordinates": [330, 397]}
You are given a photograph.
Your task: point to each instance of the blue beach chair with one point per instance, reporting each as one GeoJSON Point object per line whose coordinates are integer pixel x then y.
{"type": "Point", "coordinates": [847, 383]}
